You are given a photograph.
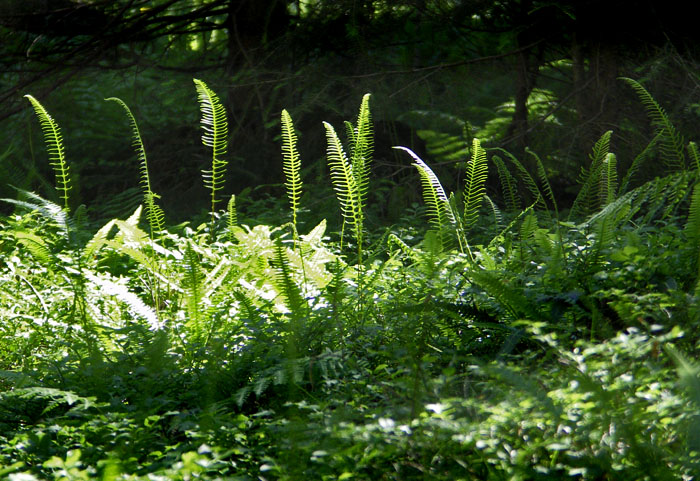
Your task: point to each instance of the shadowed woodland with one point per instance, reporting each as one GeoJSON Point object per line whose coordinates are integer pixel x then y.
{"type": "Point", "coordinates": [352, 239]}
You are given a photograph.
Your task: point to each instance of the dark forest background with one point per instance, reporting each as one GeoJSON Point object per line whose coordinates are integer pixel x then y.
{"type": "Point", "coordinates": [514, 73]}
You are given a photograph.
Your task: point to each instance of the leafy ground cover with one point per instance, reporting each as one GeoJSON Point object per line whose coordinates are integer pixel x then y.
{"type": "Point", "coordinates": [472, 342]}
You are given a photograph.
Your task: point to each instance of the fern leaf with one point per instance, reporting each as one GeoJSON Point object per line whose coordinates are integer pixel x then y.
{"type": "Point", "coordinates": [285, 283]}
{"type": "Point", "coordinates": [692, 226]}
{"type": "Point", "coordinates": [587, 200]}
{"type": "Point", "coordinates": [121, 292]}
{"type": "Point", "coordinates": [231, 217]}
{"type": "Point", "coordinates": [215, 126]}
{"type": "Point", "coordinates": [362, 149]}
{"type": "Point", "coordinates": [636, 163]}
{"type": "Point", "coordinates": [694, 155]}
{"type": "Point", "coordinates": [154, 214]}
{"type": "Point", "coordinates": [527, 179]}
{"type": "Point", "coordinates": [192, 283]}
{"type": "Point", "coordinates": [55, 149]}
{"type": "Point", "coordinates": [608, 179]}
{"type": "Point", "coordinates": [672, 143]}
{"type": "Point", "coordinates": [475, 184]}
{"type": "Point", "coordinates": [345, 184]}
{"type": "Point", "coordinates": [508, 184]}
{"type": "Point", "coordinates": [544, 181]}
{"type": "Point", "coordinates": [292, 165]}
{"type": "Point", "coordinates": [439, 210]}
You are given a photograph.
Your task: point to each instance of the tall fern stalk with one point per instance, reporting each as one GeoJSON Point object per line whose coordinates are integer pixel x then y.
{"type": "Point", "coordinates": [154, 214]}
{"type": "Point", "coordinates": [291, 167]}
{"type": "Point", "coordinates": [54, 147]}
{"type": "Point", "coordinates": [215, 126]}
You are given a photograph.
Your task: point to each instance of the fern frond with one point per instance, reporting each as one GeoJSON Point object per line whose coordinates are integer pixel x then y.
{"type": "Point", "coordinates": [154, 214]}
{"type": "Point", "coordinates": [497, 216]}
{"type": "Point", "coordinates": [291, 165]}
{"type": "Point", "coordinates": [694, 155]}
{"type": "Point", "coordinates": [55, 149]}
{"type": "Point", "coordinates": [285, 283]}
{"type": "Point", "coordinates": [544, 180]}
{"type": "Point", "coordinates": [231, 217]}
{"type": "Point", "coordinates": [215, 126]}
{"type": "Point", "coordinates": [692, 226]}
{"type": "Point", "coordinates": [671, 142]}
{"type": "Point", "coordinates": [345, 184]}
{"type": "Point", "coordinates": [439, 210]}
{"type": "Point", "coordinates": [588, 200]}
{"type": "Point", "coordinates": [608, 179]}
{"type": "Point", "coordinates": [527, 179]}
{"type": "Point", "coordinates": [509, 185]}
{"type": "Point", "coordinates": [362, 149]}
{"type": "Point", "coordinates": [641, 157]}
{"type": "Point", "coordinates": [192, 284]}
{"type": "Point", "coordinates": [474, 184]}
{"type": "Point", "coordinates": [121, 292]}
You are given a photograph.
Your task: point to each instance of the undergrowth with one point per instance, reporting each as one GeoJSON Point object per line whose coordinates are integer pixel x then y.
{"type": "Point", "coordinates": [494, 340]}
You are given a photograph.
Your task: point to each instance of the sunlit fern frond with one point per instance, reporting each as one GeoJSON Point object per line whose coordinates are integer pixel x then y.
{"type": "Point", "coordinates": [345, 184]}
{"type": "Point", "coordinates": [440, 213]}
{"type": "Point", "coordinates": [587, 200]}
{"type": "Point", "coordinates": [509, 185]}
{"type": "Point", "coordinates": [215, 126]}
{"type": "Point", "coordinates": [363, 148]}
{"type": "Point", "coordinates": [55, 149]}
{"type": "Point", "coordinates": [672, 145]}
{"type": "Point", "coordinates": [231, 217]}
{"type": "Point", "coordinates": [544, 180]}
{"type": "Point", "coordinates": [291, 165]}
{"type": "Point", "coordinates": [608, 179]}
{"type": "Point", "coordinates": [154, 214]}
{"type": "Point", "coordinates": [474, 184]}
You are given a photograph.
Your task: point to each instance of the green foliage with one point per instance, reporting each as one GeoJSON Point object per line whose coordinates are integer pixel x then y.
{"type": "Point", "coordinates": [215, 136]}
{"type": "Point", "coordinates": [54, 147]}
{"type": "Point", "coordinates": [475, 182]}
{"type": "Point", "coordinates": [671, 142]}
{"type": "Point", "coordinates": [154, 214]}
{"type": "Point", "coordinates": [291, 165]}
{"type": "Point", "coordinates": [256, 353]}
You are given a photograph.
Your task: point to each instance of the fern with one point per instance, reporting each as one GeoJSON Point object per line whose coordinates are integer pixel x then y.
{"type": "Point", "coordinates": [291, 165]}
{"type": "Point", "coordinates": [508, 184]}
{"type": "Point", "coordinates": [544, 181]}
{"type": "Point", "coordinates": [641, 157]}
{"type": "Point", "coordinates": [527, 179]}
{"type": "Point", "coordinates": [285, 283]}
{"type": "Point", "coordinates": [608, 179]}
{"type": "Point", "coordinates": [154, 214]}
{"type": "Point", "coordinates": [692, 226]}
{"type": "Point", "coordinates": [671, 142]}
{"type": "Point", "coordinates": [345, 185]}
{"type": "Point", "coordinates": [194, 292]}
{"type": "Point", "coordinates": [587, 200]}
{"type": "Point", "coordinates": [215, 134]}
{"type": "Point", "coordinates": [121, 292]}
{"type": "Point", "coordinates": [694, 155]}
{"type": "Point", "coordinates": [54, 147]}
{"type": "Point", "coordinates": [362, 148]}
{"type": "Point", "coordinates": [231, 217]}
{"type": "Point", "coordinates": [439, 210]}
{"type": "Point", "coordinates": [475, 182]}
